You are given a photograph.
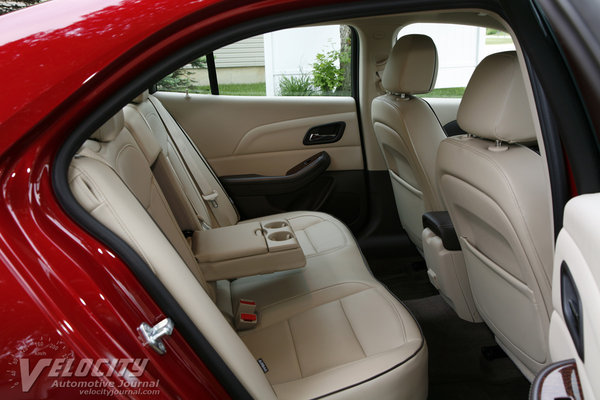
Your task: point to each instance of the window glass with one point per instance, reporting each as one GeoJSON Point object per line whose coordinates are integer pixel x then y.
{"type": "Point", "coordinates": [192, 78]}
{"type": "Point", "coordinates": [241, 68]}
{"type": "Point", "coordinates": [308, 61]}
{"type": "Point", "coordinates": [460, 48]}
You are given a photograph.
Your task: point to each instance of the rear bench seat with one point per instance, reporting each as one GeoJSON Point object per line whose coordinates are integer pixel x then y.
{"type": "Point", "coordinates": [320, 235]}
{"type": "Point", "coordinates": [326, 329]}
{"type": "Point", "coordinates": [146, 117]}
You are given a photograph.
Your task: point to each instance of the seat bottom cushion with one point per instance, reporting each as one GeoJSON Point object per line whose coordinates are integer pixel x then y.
{"type": "Point", "coordinates": [332, 257]}
{"type": "Point", "coordinates": [339, 337]}
{"type": "Point", "coordinates": [330, 328]}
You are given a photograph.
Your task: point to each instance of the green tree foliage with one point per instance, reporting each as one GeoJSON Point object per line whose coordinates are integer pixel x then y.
{"type": "Point", "coordinates": [177, 81]}
{"type": "Point", "coordinates": [327, 76]}
{"type": "Point", "coordinates": [199, 62]}
{"type": "Point", "coordinates": [180, 80]}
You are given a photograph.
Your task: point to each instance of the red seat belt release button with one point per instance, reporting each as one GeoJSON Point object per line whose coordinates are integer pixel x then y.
{"type": "Point", "coordinates": [248, 317]}
{"type": "Point", "coordinates": [245, 316]}
{"type": "Point", "coordinates": [246, 321]}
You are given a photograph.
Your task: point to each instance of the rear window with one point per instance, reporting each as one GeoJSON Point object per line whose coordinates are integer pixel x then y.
{"type": "Point", "coordinates": [305, 61]}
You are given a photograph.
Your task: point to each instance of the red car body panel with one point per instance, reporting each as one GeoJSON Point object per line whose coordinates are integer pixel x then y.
{"type": "Point", "coordinates": [64, 294]}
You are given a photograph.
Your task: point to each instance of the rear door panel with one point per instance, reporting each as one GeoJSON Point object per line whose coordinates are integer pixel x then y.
{"type": "Point", "coordinates": [264, 135]}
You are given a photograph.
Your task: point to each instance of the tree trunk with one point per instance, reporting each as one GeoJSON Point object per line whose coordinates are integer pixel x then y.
{"type": "Point", "coordinates": [346, 62]}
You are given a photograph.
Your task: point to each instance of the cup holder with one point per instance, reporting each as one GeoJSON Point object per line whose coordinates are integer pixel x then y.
{"type": "Point", "coordinates": [276, 225]}
{"type": "Point", "coordinates": [280, 236]}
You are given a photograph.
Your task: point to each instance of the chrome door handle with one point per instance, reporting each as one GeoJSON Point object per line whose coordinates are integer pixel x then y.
{"type": "Point", "coordinates": [314, 137]}
{"type": "Point", "coordinates": [152, 335]}
{"type": "Point", "coordinates": [324, 134]}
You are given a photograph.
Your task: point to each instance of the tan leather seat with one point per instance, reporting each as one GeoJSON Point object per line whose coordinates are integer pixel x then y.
{"type": "Point", "coordinates": [498, 198]}
{"type": "Point", "coordinates": [147, 120]}
{"type": "Point", "coordinates": [408, 131]}
{"type": "Point", "coordinates": [338, 333]}
{"type": "Point", "coordinates": [323, 238]}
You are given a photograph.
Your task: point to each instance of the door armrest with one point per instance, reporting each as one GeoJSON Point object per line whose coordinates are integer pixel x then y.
{"type": "Point", "coordinates": [296, 178]}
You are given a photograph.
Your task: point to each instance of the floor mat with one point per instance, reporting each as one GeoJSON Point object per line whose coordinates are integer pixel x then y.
{"type": "Point", "coordinates": [406, 277]}
{"type": "Point", "coordinates": [457, 370]}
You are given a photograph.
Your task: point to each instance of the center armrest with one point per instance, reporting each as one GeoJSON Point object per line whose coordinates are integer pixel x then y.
{"type": "Point", "coordinates": [247, 249]}
{"type": "Point", "coordinates": [439, 222]}
{"type": "Point", "coordinates": [229, 242]}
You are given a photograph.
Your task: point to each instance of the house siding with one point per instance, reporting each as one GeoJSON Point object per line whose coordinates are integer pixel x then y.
{"type": "Point", "coordinates": [245, 53]}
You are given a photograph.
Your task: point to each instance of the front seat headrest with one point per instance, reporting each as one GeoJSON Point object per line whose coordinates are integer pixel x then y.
{"type": "Point", "coordinates": [495, 104]}
{"type": "Point", "coordinates": [412, 66]}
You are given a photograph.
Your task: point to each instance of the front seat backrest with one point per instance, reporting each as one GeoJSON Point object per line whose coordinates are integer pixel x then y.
{"type": "Point", "coordinates": [408, 131]}
{"type": "Point", "coordinates": [497, 195]}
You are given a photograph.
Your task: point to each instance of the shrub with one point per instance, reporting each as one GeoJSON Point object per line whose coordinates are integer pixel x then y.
{"type": "Point", "coordinates": [327, 76]}
{"type": "Point", "coordinates": [296, 86]}
{"type": "Point", "coordinates": [178, 81]}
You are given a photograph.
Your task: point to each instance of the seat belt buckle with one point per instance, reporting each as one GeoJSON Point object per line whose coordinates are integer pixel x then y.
{"type": "Point", "coordinates": [246, 321]}
{"type": "Point", "coordinates": [212, 198]}
{"type": "Point", "coordinates": [246, 306]}
{"type": "Point", "coordinates": [245, 316]}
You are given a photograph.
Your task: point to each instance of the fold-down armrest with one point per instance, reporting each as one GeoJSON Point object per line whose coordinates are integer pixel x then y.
{"type": "Point", "coordinates": [247, 249]}
{"type": "Point", "coordinates": [439, 222]}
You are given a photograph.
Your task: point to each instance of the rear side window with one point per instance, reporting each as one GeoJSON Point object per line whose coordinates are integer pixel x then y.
{"type": "Point", "coordinates": [307, 61]}
{"type": "Point", "coordinates": [460, 48]}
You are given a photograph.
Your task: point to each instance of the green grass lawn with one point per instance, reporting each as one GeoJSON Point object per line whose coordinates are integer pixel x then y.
{"type": "Point", "coordinates": [497, 40]}
{"type": "Point", "coordinates": [244, 89]}
{"type": "Point", "coordinates": [446, 92]}
{"type": "Point", "coordinates": [239, 89]}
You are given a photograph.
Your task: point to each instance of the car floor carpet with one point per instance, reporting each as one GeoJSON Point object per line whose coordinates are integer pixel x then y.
{"type": "Point", "coordinates": [406, 277]}
{"type": "Point", "coordinates": [457, 369]}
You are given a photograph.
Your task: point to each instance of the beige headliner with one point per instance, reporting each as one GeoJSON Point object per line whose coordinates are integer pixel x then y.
{"type": "Point", "coordinates": [463, 17]}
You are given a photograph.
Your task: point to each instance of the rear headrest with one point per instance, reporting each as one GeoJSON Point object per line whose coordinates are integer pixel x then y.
{"type": "Point", "coordinates": [412, 66]}
{"type": "Point", "coordinates": [111, 128]}
{"type": "Point", "coordinates": [140, 98]}
{"type": "Point", "coordinates": [495, 104]}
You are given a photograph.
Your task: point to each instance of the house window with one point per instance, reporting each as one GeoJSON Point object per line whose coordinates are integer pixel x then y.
{"type": "Point", "coordinates": [308, 61]}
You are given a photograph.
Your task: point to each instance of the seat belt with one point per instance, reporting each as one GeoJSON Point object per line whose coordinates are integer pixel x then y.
{"type": "Point", "coordinates": [200, 216]}
{"type": "Point", "coordinates": [86, 152]}
{"type": "Point", "coordinates": [184, 147]}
